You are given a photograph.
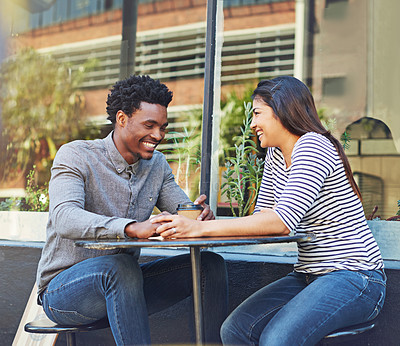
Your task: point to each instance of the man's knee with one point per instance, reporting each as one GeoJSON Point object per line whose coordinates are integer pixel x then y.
{"type": "Point", "coordinates": [212, 260]}
{"type": "Point", "coordinates": [214, 268]}
{"type": "Point", "coordinates": [123, 268]}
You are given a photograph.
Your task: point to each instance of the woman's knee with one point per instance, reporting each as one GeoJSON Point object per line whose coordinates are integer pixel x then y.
{"type": "Point", "coordinates": [225, 332]}
{"type": "Point", "coordinates": [231, 333]}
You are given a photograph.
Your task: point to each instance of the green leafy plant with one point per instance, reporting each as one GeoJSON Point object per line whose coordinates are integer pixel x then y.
{"type": "Point", "coordinates": [327, 122]}
{"type": "Point", "coordinates": [244, 170]}
{"type": "Point", "coordinates": [345, 138]}
{"type": "Point", "coordinates": [330, 125]}
{"type": "Point", "coordinates": [233, 113]}
{"type": "Point", "coordinates": [37, 198]}
{"type": "Point", "coordinates": [11, 204]}
{"type": "Point", "coordinates": [42, 108]}
{"type": "Point", "coordinates": [188, 155]}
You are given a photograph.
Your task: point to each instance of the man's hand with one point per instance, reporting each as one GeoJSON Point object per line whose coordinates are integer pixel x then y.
{"type": "Point", "coordinates": [207, 213]}
{"type": "Point", "coordinates": [143, 229]}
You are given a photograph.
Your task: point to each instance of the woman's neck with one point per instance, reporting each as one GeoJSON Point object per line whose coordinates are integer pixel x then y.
{"type": "Point", "coordinates": [287, 148]}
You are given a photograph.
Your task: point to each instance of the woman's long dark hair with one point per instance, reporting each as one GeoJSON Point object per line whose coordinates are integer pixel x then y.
{"type": "Point", "coordinates": [294, 105]}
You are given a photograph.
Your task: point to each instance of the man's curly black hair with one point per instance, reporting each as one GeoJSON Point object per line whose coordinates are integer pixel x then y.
{"type": "Point", "coordinates": [127, 94]}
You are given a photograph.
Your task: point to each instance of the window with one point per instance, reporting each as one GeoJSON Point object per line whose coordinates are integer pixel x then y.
{"type": "Point", "coordinates": [334, 86]}
{"type": "Point", "coordinates": [371, 188]}
{"type": "Point", "coordinates": [335, 9]}
{"type": "Point", "coordinates": [179, 52]}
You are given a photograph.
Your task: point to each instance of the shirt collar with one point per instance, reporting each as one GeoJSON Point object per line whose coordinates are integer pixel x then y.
{"type": "Point", "coordinates": [116, 158]}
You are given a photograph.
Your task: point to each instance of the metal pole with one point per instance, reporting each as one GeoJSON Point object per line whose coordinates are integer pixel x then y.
{"type": "Point", "coordinates": [128, 42]}
{"type": "Point", "coordinates": [303, 40]}
{"type": "Point", "coordinates": [198, 309]}
{"type": "Point", "coordinates": [216, 118]}
{"type": "Point", "coordinates": [370, 60]}
{"type": "Point", "coordinates": [299, 40]}
{"type": "Point", "coordinates": [208, 98]}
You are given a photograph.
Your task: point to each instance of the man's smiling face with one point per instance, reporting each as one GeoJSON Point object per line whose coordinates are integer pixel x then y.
{"type": "Point", "coordinates": [136, 137]}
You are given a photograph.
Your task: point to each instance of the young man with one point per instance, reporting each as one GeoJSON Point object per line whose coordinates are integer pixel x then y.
{"type": "Point", "coordinates": [106, 189]}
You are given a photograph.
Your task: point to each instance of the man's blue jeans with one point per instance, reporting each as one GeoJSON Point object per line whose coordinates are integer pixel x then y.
{"type": "Point", "coordinates": [119, 287]}
{"type": "Point", "coordinates": [300, 309]}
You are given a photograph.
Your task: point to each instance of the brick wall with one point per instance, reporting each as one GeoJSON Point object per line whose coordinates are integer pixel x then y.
{"type": "Point", "coordinates": [155, 16]}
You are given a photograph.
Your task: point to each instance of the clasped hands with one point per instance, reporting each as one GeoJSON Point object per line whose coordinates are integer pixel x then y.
{"type": "Point", "coordinates": [168, 225]}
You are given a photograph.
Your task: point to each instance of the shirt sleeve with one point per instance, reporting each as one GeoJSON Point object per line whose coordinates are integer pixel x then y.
{"type": "Point", "coordinates": [312, 162]}
{"type": "Point", "coordinates": [67, 202]}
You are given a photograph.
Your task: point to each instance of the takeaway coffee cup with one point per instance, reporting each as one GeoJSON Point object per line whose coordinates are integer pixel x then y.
{"type": "Point", "coordinates": [190, 210]}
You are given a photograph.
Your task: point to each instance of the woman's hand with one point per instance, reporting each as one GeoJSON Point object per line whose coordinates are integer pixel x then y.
{"type": "Point", "coordinates": [177, 226]}
{"type": "Point", "coordinates": [265, 222]}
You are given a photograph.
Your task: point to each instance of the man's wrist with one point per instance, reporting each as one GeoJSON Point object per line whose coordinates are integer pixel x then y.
{"type": "Point", "coordinates": [130, 230]}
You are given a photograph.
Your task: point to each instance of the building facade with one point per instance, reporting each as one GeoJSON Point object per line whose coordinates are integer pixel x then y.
{"type": "Point", "coordinates": [348, 50]}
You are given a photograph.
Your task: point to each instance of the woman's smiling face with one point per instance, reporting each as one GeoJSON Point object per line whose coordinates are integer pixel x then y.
{"type": "Point", "coordinates": [266, 124]}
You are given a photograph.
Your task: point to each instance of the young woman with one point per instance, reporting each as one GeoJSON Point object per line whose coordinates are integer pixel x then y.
{"type": "Point", "coordinates": [307, 187]}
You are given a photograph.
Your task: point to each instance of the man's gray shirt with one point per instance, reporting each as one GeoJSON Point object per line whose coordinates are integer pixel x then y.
{"type": "Point", "coordinates": [94, 194]}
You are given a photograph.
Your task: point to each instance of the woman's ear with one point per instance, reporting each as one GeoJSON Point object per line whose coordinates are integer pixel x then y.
{"type": "Point", "coordinates": [120, 118]}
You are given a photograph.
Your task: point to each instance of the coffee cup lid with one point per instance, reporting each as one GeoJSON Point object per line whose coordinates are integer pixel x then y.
{"type": "Point", "coordinates": [189, 206]}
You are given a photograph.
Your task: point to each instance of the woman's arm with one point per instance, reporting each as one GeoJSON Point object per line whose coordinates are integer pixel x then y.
{"type": "Point", "coordinates": [266, 222]}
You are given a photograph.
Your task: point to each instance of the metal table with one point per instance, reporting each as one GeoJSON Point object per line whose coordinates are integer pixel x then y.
{"type": "Point", "coordinates": [194, 244]}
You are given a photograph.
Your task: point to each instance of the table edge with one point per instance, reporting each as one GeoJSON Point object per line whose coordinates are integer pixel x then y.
{"type": "Point", "coordinates": [188, 242]}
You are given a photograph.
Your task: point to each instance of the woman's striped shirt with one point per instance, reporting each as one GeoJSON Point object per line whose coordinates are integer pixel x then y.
{"type": "Point", "coordinates": [314, 196]}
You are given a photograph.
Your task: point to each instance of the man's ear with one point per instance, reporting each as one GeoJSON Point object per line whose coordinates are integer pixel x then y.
{"type": "Point", "coordinates": [120, 118]}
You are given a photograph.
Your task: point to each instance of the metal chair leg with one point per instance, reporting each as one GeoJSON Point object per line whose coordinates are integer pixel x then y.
{"type": "Point", "coordinates": [71, 339]}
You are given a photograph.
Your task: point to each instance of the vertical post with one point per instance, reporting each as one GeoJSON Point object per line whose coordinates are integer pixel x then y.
{"type": "Point", "coordinates": [300, 39]}
{"type": "Point", "coordinates": [128, 42]}
{"type": "Point", "coordinates": [216, 119]}
{"type": "Point", "coordinates": [370, 59]}
{"type": "Point", "coordinates": [208, 98]}
{"type": "Point", "coordinates": [198, 309]}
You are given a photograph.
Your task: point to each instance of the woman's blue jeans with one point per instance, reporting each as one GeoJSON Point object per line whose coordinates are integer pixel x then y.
{"type": "Point", "coordinates": [300, 309]}
{"type": "Point", "coordinates": [127, 292]}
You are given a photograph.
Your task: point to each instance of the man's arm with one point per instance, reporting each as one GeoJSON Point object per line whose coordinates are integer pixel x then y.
{"type": "Point", "coordinates": [143, 229]}
{"type": "Point", "coordinates": [67, 202]}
